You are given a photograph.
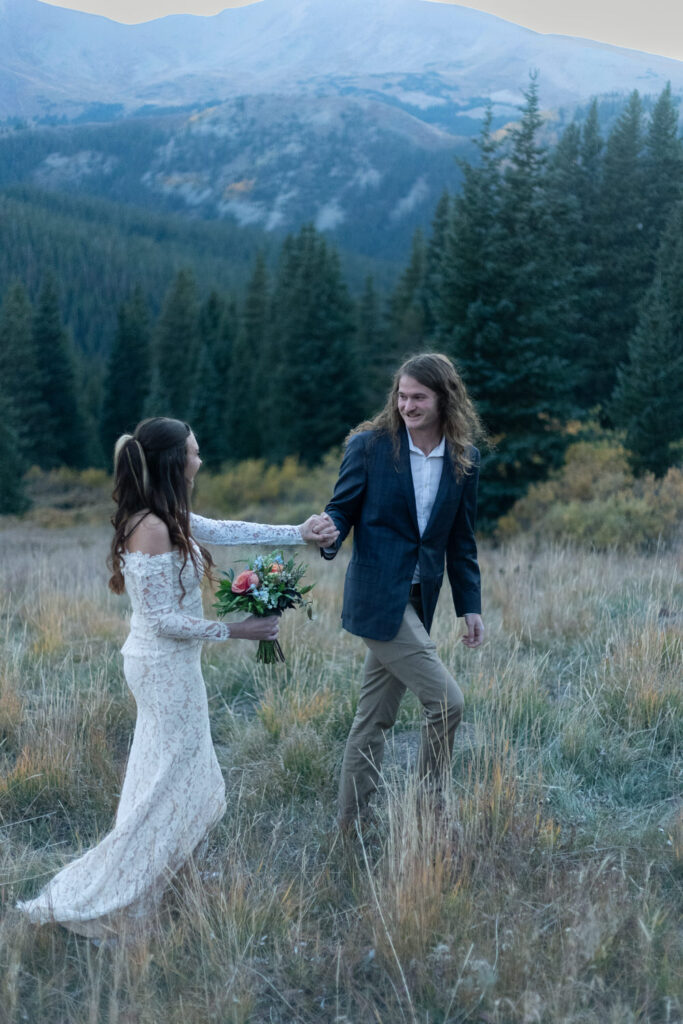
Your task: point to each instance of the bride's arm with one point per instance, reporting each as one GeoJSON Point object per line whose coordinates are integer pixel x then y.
{"type": "Point", "coordinates": [229, 531]}
{"type": "Point", "coordinates": [318, 530]}
{"type": "Point", "coordinates": [156, 574]}
{"type": "Point", "coordinates": [160, 609]}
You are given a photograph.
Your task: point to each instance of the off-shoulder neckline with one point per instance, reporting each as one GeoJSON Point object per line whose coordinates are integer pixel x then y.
{"type": "Point", "coordinates": [146, 554]}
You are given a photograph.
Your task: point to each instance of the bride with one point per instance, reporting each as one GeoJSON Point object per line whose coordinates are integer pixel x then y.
{"type": "Point", "coordinates": [173, 791]}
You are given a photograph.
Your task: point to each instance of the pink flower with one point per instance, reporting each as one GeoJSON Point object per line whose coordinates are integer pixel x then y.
{"type": "Point", "coordinates": [245, 581]}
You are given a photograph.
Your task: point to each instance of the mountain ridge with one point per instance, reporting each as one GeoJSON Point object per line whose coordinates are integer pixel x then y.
{"type": "Point", "coordinates": [57, 62]}
{"type": "Point", "coordinates": [349, 116]}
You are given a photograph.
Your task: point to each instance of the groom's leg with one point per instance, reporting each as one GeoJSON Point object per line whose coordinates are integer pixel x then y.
{"type": "Point", "coordinates": [412, 660]}
{"type": "Point", "coordinates": [378, 705]}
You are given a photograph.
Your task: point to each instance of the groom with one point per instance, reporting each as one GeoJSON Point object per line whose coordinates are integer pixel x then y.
{"type": "Point", "coordinates": [408, 488]}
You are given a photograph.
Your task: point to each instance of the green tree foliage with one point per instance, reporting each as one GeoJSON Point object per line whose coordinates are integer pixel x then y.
{"type": "Point", "coordinates": [373, 358]}
{"type": "Point", "coordinates": [622, 255]}
{"type": "Point", "coordinates": [639, 179]}
{"type": "Point", "coordinates": [100, 251]}
{"type": "Point", "coordinates": [213, 385]}
{"type": "Point", "coordinates": [20, 373]}
{"type": "Point", "coordinates": [250, 388]}
{"type": "Point", "coordinates": [663, 170]}
{"type": "Point", "coordinates": [647, 400]}
{"type": "Point", "coordinates": [569, 241]}
{"type": "Point", "coordinates": [127, 378]}
{"type": "Point", "coordinates": [312, 378]}
{"type": "Point", "coordinates": [407, 314]}
{"type": "Point", "coordinates": [13, 498]}
{"type": "Point", "coordinates": [506, 308]}
{"type": "Point", "coordinates": [468, 274]}
{"type": "Point", "coordinates": [176, 346]}
{"type": "Point", "coordinates": [586, 260]}
{"type": "Point", "coordinates": [434, 256]}
{"type": "Point", "coordinates": [532, 277]}
{"type": "Point", "coordinates": [66, 440]}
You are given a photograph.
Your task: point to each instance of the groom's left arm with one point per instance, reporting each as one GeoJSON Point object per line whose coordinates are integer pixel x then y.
{"type": "Point", "coordinates": [461, 552]}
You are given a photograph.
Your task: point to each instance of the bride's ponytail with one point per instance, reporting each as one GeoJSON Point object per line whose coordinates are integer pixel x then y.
{"type": "Point", "coordinates": [130, 466]}
{"type": "Point", "coordinates": [131, 491]}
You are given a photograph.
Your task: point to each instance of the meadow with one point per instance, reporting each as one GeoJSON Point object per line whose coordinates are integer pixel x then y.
{"type": "Point", "coordinates": [546, 891]}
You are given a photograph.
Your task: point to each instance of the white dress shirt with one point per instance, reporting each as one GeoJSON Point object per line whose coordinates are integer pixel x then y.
{"type": "Point", "coordinates": [426, 472]}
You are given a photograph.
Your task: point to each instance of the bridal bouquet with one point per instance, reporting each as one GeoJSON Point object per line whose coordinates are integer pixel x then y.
{"type": "Point", "coordinates": [268, 586]}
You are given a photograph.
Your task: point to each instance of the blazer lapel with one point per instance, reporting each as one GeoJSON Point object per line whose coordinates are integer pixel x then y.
{"type": "Point", "coordinates": [406, 477]}
{"type": "Point", "coordinates": [446, 483]}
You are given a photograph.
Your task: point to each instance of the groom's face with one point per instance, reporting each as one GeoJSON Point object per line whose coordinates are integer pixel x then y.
{"type": "Point", "coordinates": [418, 406]}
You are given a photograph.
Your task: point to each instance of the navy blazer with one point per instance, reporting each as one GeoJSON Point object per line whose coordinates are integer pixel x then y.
{"type": "Point", "coordinates": [375, 495]}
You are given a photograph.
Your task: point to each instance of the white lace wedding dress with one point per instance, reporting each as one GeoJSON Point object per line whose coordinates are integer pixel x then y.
{"type": "Point", "coordinates": [173, 791]}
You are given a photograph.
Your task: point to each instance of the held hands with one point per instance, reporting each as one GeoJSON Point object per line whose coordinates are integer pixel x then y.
{"type": "Point", "coordinates": [474, 637]}
{"type": "Point", "coordinates": [256, 628]}
{"type": "Point", "coordinates": [320, 530]}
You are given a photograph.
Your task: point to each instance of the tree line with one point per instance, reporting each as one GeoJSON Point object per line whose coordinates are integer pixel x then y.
{"type": "Point", "coordinates": [554, 278]}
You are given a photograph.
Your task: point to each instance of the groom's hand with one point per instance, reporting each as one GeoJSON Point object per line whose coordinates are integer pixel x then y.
{"type": "Point", "coordinates": [474, 637]}
{"type": "Point", "coordinates": [320, 530]}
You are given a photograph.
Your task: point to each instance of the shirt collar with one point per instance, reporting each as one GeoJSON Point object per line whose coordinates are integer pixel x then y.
{"type": "Point", "coordinates": [436, 453]}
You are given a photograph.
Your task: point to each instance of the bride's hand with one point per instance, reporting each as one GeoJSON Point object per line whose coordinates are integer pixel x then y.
{"type": "Point", "coordinates": [256, 627]}
{"type": "Point", "coordinates": [320, 530]}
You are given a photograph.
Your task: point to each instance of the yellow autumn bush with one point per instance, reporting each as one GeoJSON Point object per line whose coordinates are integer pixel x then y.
{"type": "Point", "coordinates": [253, 486]}
{"type": "Point", "coordinates": [595, 500]}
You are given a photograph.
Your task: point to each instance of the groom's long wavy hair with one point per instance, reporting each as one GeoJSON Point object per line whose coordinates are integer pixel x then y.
{"type": "Point", "coordinates": [149, 477]}
{"type": "Point", "coordinates": [459, 418]}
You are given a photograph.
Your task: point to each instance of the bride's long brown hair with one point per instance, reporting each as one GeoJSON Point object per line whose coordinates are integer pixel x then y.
{"type": "Point", "coordinates": [149, 477]}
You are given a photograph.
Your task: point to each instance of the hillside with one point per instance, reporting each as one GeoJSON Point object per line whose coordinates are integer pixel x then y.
{"type": "Point", "coordinates": [99, 251]}
{"type": "Point", "coordinates": [350, 115]}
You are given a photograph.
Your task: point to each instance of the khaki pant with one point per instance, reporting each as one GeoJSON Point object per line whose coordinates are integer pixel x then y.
{"type": "Point", "coordinates": [409, 661]}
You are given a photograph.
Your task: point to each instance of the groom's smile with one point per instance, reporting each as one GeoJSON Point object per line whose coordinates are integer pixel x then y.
{"type": "Point", "coordinates": [418, 405]}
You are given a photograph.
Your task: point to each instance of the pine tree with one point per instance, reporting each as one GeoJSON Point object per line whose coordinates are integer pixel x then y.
{"type": "Point", "coordinates": [252, 381]}
{"type": "Point", "coordinates": [66, 442]}
{"type": "Point", "coordinates": [13, 498]}
{"type": "Point", "coordinates": [663, 171]}
{"type": "Point", "coordinates": [647, 399]}
{"type": "Point", "coordinates": [313, 380]}
{"type": "Point", "coordinates": [469, 267]}
{"type": "Point", "coordinates": [622, 253]}
{"type": "Point", "coordinates": [127, 377]}
{"type": "Point", "coordinates": [209, 414]}
{"type": "Point", "coordinates": [373, 360]}
{"type": "Point", "coordinates": [176, 349]}
{"type": "Point", "coordinates": [506, 307]}
{"type": "Point", "coordinates": [407, 314]}
{"type": "Point", "coordinates": [589, 284]}
{"type": "Point", "coordinates": [436, 247]}
{"type": "Point", "coordinates": [20, 373]}
{"type": "Point", "coordinates": [569, 240]}
{"type": "Point", "coordinates": [89, 385]}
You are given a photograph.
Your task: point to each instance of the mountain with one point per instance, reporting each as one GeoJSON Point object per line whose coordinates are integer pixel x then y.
{"type": "Point", "coordinates": [347, 113]}
{"type": "Point", "coordinates": [60, 62]}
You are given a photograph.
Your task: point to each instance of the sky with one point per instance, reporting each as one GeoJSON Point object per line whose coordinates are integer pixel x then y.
{"type": "Point", "coordinates": [655, 26]}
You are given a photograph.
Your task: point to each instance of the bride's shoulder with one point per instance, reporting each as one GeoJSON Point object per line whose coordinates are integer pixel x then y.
{"type": "Point", "coordinates": [149, 534]}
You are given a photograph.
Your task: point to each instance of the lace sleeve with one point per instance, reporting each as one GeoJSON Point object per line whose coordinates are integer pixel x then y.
{"type": "Point", "coordinates": [159, 608]}
{"type": "Point", "coordinates": [228, 531]}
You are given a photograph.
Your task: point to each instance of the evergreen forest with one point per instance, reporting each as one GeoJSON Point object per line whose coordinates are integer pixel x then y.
{"type": "Point", "coordinates": [553, 277]}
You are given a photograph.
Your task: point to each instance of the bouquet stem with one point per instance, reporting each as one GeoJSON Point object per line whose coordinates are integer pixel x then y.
{"type": "Point", "coordinates": [269, 652]}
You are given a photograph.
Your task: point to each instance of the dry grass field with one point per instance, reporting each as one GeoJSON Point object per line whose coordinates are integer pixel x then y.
{"type": "Point", "coordinates": [546, 892]}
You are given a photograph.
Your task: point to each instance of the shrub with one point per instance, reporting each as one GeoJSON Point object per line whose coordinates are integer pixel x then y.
{"type": "Point", "coordinates": [247, 486]}
{"type": "Point", "coordinates": [595, 500]}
